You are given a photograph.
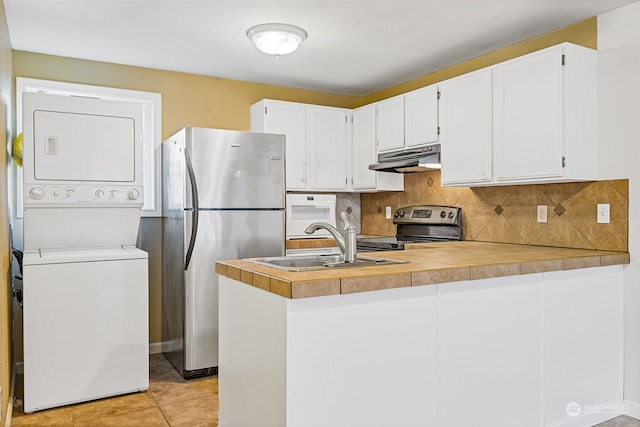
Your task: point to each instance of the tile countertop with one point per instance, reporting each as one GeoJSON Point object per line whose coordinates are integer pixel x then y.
{"type": "Point", "coordinates": [310, 243]}
{"type": "Point", "coordinates": [428, 263]}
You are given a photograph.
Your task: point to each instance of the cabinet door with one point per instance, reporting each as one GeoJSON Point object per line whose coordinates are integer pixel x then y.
{"type": "Point", "coordinates": [364, 147]}
{"type": "Point", "coordinates": [583, 342]}
{"type": "Point", "coordinates": [528, 117]}
{"type": "Point", "coordinates": [466, 128]}
{"type": "Point", "coordinates": [289, 118]}
{"type": "Point", "coordinates": [421, 116]}
{"type": "Point", "coordinates": [390, 124]}
{"type": "Point", "coordinates": [489, 353]}
{"type": "Point", "coordinates": [327, 143]}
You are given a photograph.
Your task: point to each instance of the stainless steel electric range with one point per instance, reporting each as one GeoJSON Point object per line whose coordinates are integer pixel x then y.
{"type": "Point", "coordinates": [418, 224]}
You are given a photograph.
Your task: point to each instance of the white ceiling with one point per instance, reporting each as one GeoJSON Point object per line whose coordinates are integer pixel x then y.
{"type": "Point", "coordinates": [354, 47]}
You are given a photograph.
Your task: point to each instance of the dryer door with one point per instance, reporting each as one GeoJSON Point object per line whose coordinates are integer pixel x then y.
{"type": "Point", "coordinates": [83, 147]}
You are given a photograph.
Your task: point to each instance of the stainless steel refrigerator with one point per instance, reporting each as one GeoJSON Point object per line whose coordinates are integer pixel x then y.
{"type": "Point", "coordinates": [223, 198]}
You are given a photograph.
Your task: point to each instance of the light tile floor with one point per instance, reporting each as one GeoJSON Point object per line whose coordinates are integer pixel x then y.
{"type": "Point", "coordinates": [170, 401]}
{"type": "Point", "coordinates": [621, 421]}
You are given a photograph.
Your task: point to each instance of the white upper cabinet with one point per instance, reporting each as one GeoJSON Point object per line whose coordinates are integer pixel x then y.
{"type": "Point", "coordinates": [364, 154]}
{"type": "Point", "coordinates": [544, 118]}
{"type": "Point", "coordinates": [390, 124]}
{"type": "Point", "coordinates": [364, 147]}
{"type": "Point", "coordinates": [327, 147]}
{"type": "Point", "coordinates": [529, 117]}
{"type": "Point", "coordinates": [408, 120]}
{"type": "Point", "coordinates": [466, 128]}
{"type": "Point", "coordinates": [288, 118]}
{"type": "Point", "coordinates": [421, 116]}
{"type": "Point", "coordinates": [317, 142]}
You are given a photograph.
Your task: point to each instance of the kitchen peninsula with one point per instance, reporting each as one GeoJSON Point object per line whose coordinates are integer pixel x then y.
{"type": "Point", "coordinates": [463, 333]}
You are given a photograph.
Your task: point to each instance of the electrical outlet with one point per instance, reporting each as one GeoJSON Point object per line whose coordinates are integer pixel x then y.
{"type": "Point", "coordinates": [603, 213]}
{"type": "Point", "coordinates": [542, 213]}
{"type": "Point", "coordinates": [388, 212]}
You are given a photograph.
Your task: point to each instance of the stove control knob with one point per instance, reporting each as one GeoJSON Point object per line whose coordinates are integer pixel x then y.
{"type": "Point", "coordinates": [36, 193]}
{"type": "Point", "coordinates": [99, 193]}
{"type": "Point", "coordinates": [443, 214]}
{"type": "Point", "coordinates": [401, 214]}
{"type": "Point", "coordinates": [397, 214]}
{"type": "Point", "coordinates": [133, 194]}
{"type": "Point", "coordinates": [450, 215]}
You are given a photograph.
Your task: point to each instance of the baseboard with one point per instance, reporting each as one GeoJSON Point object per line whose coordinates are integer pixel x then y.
{"type": "Point", "coordinates": [633, 409]}
{"type": "Point", "coordinates": [12, 397]}
{"type": "Point", "coordinates": [590, 415]}
{"type": "Point", "coordinates": [156, 347]}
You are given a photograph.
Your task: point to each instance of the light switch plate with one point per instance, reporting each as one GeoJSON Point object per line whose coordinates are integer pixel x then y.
{"type": "Point", "coordinates": [603, 213]}
{"type": "Point", "coordinates": [388, 212]}
{"type": "Point", "coordinates": [542, 213]}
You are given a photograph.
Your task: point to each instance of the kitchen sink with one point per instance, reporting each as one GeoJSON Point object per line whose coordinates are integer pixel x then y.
{"type": "Point", "coordinates": [320, 262]}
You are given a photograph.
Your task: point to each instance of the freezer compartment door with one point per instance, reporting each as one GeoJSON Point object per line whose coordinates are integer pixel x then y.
{"type": "Point", "coordinates": [236, 170]}
{"type": "Point", "coordinates": [221, 235]}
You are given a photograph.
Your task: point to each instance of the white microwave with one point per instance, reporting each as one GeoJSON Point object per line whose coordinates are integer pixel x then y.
{"type": "Point", "coordinates": [305, 209]}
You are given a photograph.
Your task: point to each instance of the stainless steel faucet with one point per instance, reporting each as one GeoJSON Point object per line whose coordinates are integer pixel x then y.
{"type": "Point", "coordinates": [347, 244]}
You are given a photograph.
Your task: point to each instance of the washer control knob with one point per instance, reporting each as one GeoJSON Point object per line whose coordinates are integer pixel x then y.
{"type": "Point", "coordinates": [36, 193]}
{"type": "Point", "coordinates": [133, 194]}
{"type": "Point", "coordinates": [99, 193]}
{"type": "Point", "coordinates": [70, 192]}
{"type": "Point", "coordinates": [113, 193]}
{"type": "Point", "coordinates": [56, 193]}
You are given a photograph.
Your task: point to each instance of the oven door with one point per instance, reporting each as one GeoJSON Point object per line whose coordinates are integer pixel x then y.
{"type": "Point", "coordinates": [305, 209]}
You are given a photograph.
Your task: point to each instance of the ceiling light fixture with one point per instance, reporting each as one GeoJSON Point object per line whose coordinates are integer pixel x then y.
{"type": "Point", "coordinates": [277, 39]}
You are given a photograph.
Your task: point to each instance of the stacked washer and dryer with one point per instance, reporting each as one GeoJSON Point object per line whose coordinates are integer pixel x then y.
{"type": "Point", "coordinates": [85, 284]}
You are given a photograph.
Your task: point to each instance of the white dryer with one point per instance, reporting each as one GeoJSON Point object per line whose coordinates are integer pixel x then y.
{"type": "Point", "coordinates": [85, 284]}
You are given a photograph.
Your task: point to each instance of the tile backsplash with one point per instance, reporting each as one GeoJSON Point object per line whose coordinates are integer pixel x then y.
{"type": "Point", "coordinates": [507, 214]}
{"type": "Point", "coordinates": [350, 204]}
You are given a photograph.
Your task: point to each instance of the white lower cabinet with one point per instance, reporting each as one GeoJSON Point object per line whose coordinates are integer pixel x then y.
{"type": "Point", "coordinates": [350, 365]}
{"type": "Point", "coordinates": [582, 347]}
{"type": "Point", "coordinates": [489, 353]}
{"type": "Point", "coordinates": [542, 349]}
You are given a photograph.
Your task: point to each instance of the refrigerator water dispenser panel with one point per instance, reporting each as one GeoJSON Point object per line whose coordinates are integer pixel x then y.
{"type": "Point", "coordinates": [83, 147]}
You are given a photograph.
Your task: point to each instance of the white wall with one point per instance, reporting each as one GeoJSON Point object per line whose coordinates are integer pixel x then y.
{"type": "Point", "coordinates": [619, 157]}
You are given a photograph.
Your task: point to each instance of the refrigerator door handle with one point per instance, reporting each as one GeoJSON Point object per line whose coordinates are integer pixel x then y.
{"type": "Point", "coordinates": [194, 211]}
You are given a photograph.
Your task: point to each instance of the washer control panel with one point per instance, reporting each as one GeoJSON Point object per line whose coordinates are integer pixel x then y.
{"type": "Point", "coordinates": [82, 194]}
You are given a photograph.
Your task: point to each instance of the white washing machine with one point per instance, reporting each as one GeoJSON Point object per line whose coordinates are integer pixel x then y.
{"type": "Point", "coordinates": [85, 325]}
{"type": "Point", "coordinates": [85, 284]}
